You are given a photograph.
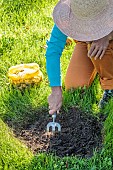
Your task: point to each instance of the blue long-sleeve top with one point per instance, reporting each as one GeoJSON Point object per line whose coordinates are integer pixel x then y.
{"type": "Point", "coordinates": [55, 47]}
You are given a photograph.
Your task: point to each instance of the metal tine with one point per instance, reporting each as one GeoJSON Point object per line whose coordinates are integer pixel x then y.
{"type": "Point", "coordinates": [58, 126]}
{"type": "Point", "coordinates": [53, 125]}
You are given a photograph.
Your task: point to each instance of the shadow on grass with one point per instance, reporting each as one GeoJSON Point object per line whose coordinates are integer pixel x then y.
{"type": "Point", "coordinates": [22, 106]}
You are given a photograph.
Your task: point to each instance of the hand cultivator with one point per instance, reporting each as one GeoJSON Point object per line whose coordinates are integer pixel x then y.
{"type": "Point", "coordinates": [53, 126]}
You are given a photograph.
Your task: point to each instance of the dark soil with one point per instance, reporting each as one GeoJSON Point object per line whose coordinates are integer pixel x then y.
{"type": "Point", "coordinates": [80, 134]}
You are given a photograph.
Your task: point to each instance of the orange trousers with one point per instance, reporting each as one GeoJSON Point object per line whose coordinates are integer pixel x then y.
{"type": "Point", "coordinates": [82, 70]}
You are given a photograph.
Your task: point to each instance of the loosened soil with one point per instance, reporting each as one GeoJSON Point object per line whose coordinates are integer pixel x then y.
{"type": "Point", "coordinates": [80, 135]}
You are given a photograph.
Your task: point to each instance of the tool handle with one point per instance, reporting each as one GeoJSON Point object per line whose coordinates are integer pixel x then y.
{"type": "Point", "coordinates": [54, 117]}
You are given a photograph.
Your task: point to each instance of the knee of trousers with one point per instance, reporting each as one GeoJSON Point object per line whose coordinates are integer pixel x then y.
{"type": "Point", "coordinates": [80, 80]}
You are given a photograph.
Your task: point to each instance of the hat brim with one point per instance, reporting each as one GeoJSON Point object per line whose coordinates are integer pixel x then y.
{"type": "Point", "coordinates": [80, 29]}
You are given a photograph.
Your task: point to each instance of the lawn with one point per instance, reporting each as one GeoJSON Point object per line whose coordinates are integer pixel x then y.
{"type": "Point", "coordinates": [25, 26]}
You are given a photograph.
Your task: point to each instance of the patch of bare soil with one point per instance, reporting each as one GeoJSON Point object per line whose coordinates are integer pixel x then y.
{"type": "Point", "coordinates": [80, 134]}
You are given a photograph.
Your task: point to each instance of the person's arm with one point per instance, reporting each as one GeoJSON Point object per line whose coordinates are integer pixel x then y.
{"type": "Point", "coordinates": [55, 47]}
{"type": "Point", "coordinates": [54, 50]}
{"type": "Point", "coordinates": [98, 47]}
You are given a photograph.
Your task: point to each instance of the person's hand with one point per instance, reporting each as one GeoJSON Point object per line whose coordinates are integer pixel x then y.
{"type": "Point", "coordinates": [55, 100]}
{"type": "Point", "coordinates": [98, 48]}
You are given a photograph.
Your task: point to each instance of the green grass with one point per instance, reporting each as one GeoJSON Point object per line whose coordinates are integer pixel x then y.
{"type": "Point", "coordinates": [13, 154]}
{"type": "Point", "coordinates": [25, 25]}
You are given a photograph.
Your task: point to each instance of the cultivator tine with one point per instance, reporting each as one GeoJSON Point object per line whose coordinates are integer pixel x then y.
{"type": "Point", "coordinates": [53, 125]}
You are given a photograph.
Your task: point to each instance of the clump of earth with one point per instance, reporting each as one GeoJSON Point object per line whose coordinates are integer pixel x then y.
{"type": "Point", "coordinates": [81, 134]}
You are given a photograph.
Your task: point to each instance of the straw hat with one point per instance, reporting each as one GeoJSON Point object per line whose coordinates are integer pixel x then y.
{"type": "Point", "coordinates": [84, 20]}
